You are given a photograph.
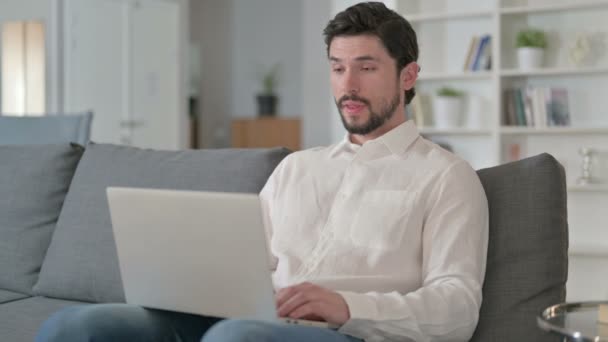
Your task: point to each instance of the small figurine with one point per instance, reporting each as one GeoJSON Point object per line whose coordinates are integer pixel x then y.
{"type": "Point", "coordinates": [581, 49]}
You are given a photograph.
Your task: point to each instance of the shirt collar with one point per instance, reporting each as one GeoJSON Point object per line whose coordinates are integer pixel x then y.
{"type": "Point", "coordinates": [396, 140]}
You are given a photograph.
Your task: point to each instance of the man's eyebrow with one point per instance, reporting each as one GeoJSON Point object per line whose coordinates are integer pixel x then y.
{"type": "Point", "coordinates": [358, 59]}
{"type": "Point", "coordinates": [366, 58]}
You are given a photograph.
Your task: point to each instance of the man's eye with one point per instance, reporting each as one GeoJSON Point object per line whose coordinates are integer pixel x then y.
{"type": "Point", "coordinates": [338, 70]}
{"type": "Point", "coordinates": [367, 68]}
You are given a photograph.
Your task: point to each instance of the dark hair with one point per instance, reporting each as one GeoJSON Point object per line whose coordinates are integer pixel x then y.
{"type": "Point", "coordinates": [395, 32]}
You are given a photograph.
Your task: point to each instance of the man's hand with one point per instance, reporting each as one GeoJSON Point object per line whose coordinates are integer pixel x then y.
{"type": "Point", "coordinates": [312, 302]}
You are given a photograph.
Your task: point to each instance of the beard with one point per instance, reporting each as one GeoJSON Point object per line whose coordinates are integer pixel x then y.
{"type": "Point", "coordinates": [376, 119]}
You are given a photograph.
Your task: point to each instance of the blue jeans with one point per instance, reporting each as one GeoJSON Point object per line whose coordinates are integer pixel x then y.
{"type": "Point", "coordinates": [122, 322]}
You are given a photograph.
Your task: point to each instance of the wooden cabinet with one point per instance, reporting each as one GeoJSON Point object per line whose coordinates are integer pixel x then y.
{"type": "Point", "coordinates": [266, 132]}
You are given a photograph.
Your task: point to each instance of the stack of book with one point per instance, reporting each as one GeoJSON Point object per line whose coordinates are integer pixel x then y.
{"type": "Point", "coordinates": [536, 107]}
{"type": "Point", "coordinates": [479, 55]}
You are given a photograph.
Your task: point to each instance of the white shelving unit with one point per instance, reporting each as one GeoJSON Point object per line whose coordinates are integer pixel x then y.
{"type": "Point", "coordinates": [588, 250]}
{"type": "Point", "coordinates": [445, 29]}
{"type": "Point", "coordinates": [564, 71]}
{"type": "Point", "coordinates": [455, 76]}
{"type": "Point", "coordinates": [454, 131]}
{"type": "Point", "coordinates": [588, 188]}
{"type": "Point", "coordinates": [545, 7]}
{"type": "Point", "coordinates": [562, 131]}
{"type": "Point", "coordinates": [448, 15]}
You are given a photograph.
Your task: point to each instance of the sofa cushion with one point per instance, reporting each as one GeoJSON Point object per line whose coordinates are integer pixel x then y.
{"type": "Point", "coordinates": [527, 264]}
{"type": "Point", "coordinates": [34, 180]}
{"type": "Point", "coordinates": [9, 296]}
{"type": "Point", "coordinates": [20, 320]}
{"type": "Point", "coordinates": [81, 262]}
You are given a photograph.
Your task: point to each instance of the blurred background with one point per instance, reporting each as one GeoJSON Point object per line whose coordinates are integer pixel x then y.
{"type": "Point", "coordinates": [501, 80]}
{"type": "Point", "coordinates": [147, 67]}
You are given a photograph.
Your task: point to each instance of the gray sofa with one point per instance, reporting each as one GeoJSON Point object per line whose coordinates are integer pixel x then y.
{"type": "Point", "coordinates": [57, 249]}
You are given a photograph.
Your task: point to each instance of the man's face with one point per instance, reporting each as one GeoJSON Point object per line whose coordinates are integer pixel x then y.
{"type": "Point", "coordinates": [365, 83]}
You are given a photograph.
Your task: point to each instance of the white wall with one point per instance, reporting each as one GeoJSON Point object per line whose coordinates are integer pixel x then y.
{"type": "Point", "coordinates": [211, 25]}
{"type": "Point", "coordinates": [267, 32]}
{"type": "Point", "coordinates": [316, 93]}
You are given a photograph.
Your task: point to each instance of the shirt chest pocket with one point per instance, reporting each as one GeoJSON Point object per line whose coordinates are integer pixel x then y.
{"type": "Point", "coordinates": [382, 218]}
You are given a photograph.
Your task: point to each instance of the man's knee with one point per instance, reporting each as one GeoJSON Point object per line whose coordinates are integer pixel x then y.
{"type": "Point", "coordinates": [234, 330]}
{"type": "Point", "coordinates": [78, 323]}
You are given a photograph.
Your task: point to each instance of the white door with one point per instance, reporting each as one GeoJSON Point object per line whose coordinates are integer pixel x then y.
{"type": "Point", "coordinates": [122, 61]}
{"type": "Point", "coordinates": [155, 73]}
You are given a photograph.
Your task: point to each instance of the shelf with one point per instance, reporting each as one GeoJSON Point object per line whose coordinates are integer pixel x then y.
{"type": "Point", "coordinates": [554, 71]}
{"type": "Point", "coordinates": [506, 130]}
{"type": "Point", "coordinates": [422, 17]}
{"type": "Point", "coordinates": [455, 76]}
{"type": "Point", "coordinates": [445, 29]}
{"type": "Point", "coordinates": [583, 5]}
{"type": "Point", "coordinates": [454, 131]}
{"type": "Point", "coordinates": [588, 188]}
{"type": "Point", "coordinates": [587, 250]}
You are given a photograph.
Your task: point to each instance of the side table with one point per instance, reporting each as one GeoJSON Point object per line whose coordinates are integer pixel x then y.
{"type": "Point", "coordinates": [575, 321]}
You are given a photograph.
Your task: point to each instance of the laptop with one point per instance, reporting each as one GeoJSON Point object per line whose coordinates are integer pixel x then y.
{"type": "Point", "coordinates": [203, 253]}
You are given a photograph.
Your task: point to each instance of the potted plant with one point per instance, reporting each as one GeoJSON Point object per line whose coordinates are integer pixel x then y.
{"type": "Point", "coordinates": [531, 44]}
{"type": "Point", "coordinates": [267, 99]}
{"type": "Point", "coordinates": [447, 107]}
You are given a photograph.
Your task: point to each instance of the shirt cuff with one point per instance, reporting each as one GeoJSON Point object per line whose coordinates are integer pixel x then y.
{"type": "Point", "coordinates": [360, 306]}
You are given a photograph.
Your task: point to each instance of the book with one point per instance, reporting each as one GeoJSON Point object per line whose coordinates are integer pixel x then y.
{"type": "Point", "coordinates": [519, 108]}
{"type": "Point", "coordinates": [483, 41]}
{"type": "Point", "coordinates": [541, 105]}
{"type": "Point", "coordinates": [560, 111]}
{"type": "Point", "coordinates": [485, 58]}
{"type": "Point", "coordinates": [472, 47]}
{"type": "Point", "coordinates": [511, 114]}
{"type": "Point", "coordinates": [527, 94]}
{"type": "Point", "coordinates": [505, 119]}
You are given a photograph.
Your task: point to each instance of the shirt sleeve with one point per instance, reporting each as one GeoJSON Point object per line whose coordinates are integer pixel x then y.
{"type": "Point", "coordinates": [454, 246]}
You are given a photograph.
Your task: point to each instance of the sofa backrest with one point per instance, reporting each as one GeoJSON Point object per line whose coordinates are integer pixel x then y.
{"type": "Point", "coordinates": [34, 181]}
{"type": "Point", "coordinates": [81, 262]}
{"type": "Point", "coordinates": [47, 129]}
{"type": "Point", "coordinates": [527, 264]}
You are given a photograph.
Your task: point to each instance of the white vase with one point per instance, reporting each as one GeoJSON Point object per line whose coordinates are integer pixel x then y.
{"type": "Point", "coordinates": [530, 57]}
{"type": "Point", "coordinates": [447, 111]}
{"type": "Point", "coordinates": [474, 118]}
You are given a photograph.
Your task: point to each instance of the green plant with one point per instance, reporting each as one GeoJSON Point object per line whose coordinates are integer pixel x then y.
{"type": "Point", "coordinates": [449, 92]}
{"type": "Point", "coordinates": [270, 79]}
{"type": "Point", "coordinates": [531, 38]}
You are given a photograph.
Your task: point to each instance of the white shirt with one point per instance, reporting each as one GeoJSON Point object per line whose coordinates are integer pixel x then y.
{"type": "Point", "coordinates": [398, 226]}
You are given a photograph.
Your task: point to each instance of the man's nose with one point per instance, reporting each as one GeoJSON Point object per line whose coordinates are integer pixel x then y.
{"type": "Point", "coordinates": [351, 83]}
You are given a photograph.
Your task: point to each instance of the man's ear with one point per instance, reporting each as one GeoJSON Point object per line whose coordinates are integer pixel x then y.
{"type": "Point", "coordinates": [409, 75]}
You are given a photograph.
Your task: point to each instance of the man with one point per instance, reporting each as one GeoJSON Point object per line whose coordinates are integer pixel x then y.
{"type": "Point", "coordinates": [383, 234]}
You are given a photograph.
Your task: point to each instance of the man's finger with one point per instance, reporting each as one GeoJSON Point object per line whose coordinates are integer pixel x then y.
{"type": "Point", "coordinates": [284, 294]}
{"type": "Point", "coordinates": [310, 310]}
{"type": "Point", "coordinates": [295, 301]}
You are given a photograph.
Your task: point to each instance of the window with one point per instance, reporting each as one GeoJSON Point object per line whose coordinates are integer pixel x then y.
{"type": "Point", "coordinates": [23, 68]}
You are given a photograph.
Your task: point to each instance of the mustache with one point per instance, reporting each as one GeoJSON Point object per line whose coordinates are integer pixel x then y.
{"type": "Point", "coordinates": [352, 98]}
